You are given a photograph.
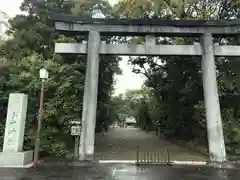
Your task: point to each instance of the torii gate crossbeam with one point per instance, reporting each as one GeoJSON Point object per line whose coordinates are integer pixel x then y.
{"type": "Point", "coordinates": [205, 30]}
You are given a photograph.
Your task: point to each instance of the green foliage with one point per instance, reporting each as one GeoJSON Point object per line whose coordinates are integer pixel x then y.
{"type": "Point", "coordinates": [23, 56]}
{"type": "Point", "coordinates": [171, 99]}
{"type": "Point", "coordinates": [176, 99]}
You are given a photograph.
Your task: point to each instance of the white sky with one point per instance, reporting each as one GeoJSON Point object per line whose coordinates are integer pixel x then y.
{"type": "Point", "coordinates": [127, 80]}
{"type": "Point", "coordinates": [11, 7]}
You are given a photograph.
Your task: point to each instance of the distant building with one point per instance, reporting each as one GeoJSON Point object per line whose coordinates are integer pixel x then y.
{"type": "Point", "coordinates": [130, 121]}
{"type": "Point", "coordinates": [3, 25]}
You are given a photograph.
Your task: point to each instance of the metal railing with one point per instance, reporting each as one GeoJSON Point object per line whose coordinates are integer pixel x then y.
{"type": "Point", "coordinates": [152, 157]}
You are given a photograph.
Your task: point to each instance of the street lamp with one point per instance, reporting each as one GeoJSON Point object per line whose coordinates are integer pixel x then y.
{"type": "Point", "coordinates": [43, 73]}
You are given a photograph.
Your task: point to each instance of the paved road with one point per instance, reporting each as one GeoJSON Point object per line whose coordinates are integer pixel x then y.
{"type": "Point", "coordinates": [117, 172]}
{"type": "Point", "coordinates": [121, 144]}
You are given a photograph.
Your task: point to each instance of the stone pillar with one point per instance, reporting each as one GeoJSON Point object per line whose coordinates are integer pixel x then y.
{"type": "Point", "coordinates": [12, 154]}
{"type": "Point", "coordinates": [90, 96]}
{"type": "Point", "coordinates": [85, 111]}
{"type": "Point", "coordinates": [212, 108]}
{"type": "Point", "coordinates": [15, 123]}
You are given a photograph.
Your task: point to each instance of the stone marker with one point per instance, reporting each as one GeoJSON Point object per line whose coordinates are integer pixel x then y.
{"type": "Point", "coordinates": [12, 155]}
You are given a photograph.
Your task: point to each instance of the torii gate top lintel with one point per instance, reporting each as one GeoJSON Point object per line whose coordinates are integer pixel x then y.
{"type": "Point", "coordinates": [141, 27]}
{"type": "Point", "coordinates": [205, 48]}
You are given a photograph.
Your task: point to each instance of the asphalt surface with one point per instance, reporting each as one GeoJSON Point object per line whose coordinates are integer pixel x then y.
{"type": "Point", "coordinates": [121, 144]}
{"type": "Point", "coordinates": [117, 172]}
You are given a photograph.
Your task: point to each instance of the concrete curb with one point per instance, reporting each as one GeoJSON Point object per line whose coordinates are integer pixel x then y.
{"type": "Point", "coordinates": [172, 163]}
{"type": "Point", "coordinates": [117, 161]}
{"type": "Point", "coordinates": [20, 166]}
{"type": "Point", "coordinates": [197, 163]}
{"type": "Point", "coordinates": [194, 163]}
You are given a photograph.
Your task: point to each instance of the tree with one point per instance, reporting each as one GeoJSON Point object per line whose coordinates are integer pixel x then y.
{"type": "Point", "coordinates": [176, 81]}
{"type": "Point", "coordinates": [26, 53]}
{"type": "Point", "coordinates": [134, 103]}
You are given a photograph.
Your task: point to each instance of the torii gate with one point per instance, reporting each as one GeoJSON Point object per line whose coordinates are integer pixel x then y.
{"type": "Point", "coordinates": [95, 28]}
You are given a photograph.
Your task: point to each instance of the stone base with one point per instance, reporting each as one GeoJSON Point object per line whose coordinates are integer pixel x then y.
{"type": "Point", "coordinates": [18, 159]}
{"type": "Point", "coordinates": [86, 157]}
{"type": "Point", "coordinates": [223, 165]}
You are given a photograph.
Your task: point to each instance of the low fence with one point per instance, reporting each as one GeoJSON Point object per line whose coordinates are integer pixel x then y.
{"type": "Point", "coordinates": [152, 157]}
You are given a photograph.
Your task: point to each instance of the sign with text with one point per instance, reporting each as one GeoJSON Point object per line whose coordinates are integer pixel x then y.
{"type": "Point", "coordinates": [75, 130]}
{"type": "Point", "coordinates": [15, 123]}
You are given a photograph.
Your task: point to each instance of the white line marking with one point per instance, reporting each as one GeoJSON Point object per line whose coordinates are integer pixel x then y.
{"type": "Point", "coordinates": [189, 162]}
{"type": "Point", "coordinates": [117, 161]}
{"type": "Point", "coordinates": [20, 166]}
{"type": "Point", "coordinates": [133, 162]}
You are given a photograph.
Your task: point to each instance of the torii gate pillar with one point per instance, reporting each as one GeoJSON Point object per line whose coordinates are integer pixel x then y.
{"type": "Point", "coordinates": [86, 149]}
{"type": "Point", "coordinates": [212, 108]}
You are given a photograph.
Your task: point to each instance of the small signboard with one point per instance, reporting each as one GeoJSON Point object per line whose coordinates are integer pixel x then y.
{"type": "Point", "coordinates": [75, 130]}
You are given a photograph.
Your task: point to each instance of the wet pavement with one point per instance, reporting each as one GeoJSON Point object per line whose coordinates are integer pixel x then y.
{"type": "Point", "coordinates": [122, 144]}
{"type": "Point", "coordinates": [117, 172]}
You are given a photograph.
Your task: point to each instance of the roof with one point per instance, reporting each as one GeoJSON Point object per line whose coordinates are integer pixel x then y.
{"type": "Point", "coordinates": [155, 22]}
